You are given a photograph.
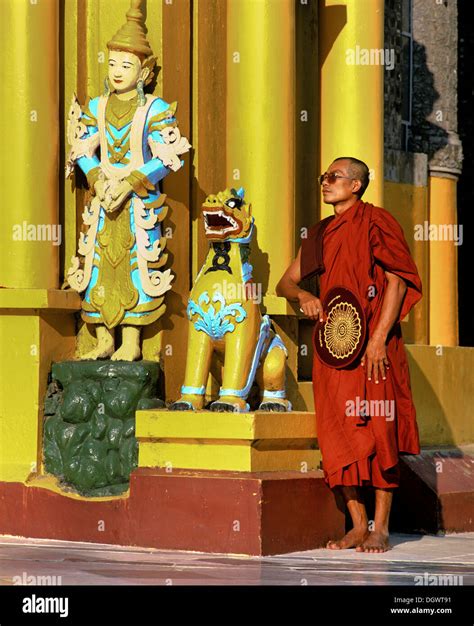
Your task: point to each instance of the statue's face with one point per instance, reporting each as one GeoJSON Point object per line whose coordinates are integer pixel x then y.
{"type": "Point", "coordinates": [124, 70]}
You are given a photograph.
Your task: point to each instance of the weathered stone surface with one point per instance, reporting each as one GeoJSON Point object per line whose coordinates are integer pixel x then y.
{"type": "Point", "coordinates": [393, 78]}
{"type": "Point", "coordinates": [410, 168]}
{"type": "Point", "coordinates": [435, 85]}
{"type": "Point", "coordinates": [89, 431]}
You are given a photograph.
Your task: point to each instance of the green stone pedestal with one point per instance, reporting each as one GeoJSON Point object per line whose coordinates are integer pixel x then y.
{"type": "Point", "coordinates": [89, 430]}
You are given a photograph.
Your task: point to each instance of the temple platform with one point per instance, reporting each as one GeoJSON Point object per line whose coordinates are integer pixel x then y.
{"type": "Point", "coordinates": [231, 483]}
{"type": "Point", "coordinates": [254, 513]}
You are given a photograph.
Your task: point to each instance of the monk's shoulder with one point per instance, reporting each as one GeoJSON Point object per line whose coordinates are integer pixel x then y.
{"type": "Point", "coordinates": [382, 218]}
{"type": "Point", "coordinates": [315, 228]}
{"type": "Point", "coordinates": [312, 230]}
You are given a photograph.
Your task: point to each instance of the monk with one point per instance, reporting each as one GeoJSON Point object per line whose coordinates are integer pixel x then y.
{"type": "Point", "coordinates": [361, 247]}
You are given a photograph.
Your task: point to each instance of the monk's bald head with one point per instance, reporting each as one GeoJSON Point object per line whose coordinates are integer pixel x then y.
{"type": "Point", "coordinates": [358, 170]}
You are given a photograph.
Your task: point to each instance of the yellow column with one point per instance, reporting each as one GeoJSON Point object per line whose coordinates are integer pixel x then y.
{"type": "Point", "coordinates": [351, 32]}
{"type": "Point", "coordinates": [66, 188]}
{"type": "Point", "coordinates": [33, 327]}
{"type": "Point", "coordinates": [30, 143]}
{"type": "Point", "coordinates": [260, 125]}
{"type": "Point", "coordinates": [443, 303]}
{"type": "Point", "coordinates": [33, 332]}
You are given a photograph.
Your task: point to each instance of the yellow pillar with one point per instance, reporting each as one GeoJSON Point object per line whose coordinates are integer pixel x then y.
{"type": "Point", "coordinates": [30, 143]}
{"type": "Point", "coordinates": [34, 330]}
{"type": "Point", "coordinates": [351, 32]}
{"type": "Point", "coordinates": [443, 305]}
{"type": "Point", "coordinates": [260, 125]}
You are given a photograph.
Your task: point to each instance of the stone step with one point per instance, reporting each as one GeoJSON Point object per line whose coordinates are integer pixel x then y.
{"type": "Point", "coordinates": [243, 442]}
{"type": "Point", "coordinates": [252, 513]}
{"type": "Point", "coordinates": [436, 491]}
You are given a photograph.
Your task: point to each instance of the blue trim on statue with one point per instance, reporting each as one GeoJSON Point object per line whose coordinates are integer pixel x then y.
{"type": "Point", "coordinates": [277, 342]}
{"type": "Point", "coordinates": [281, 393]}
{"type": "Point", "coordinates": [197, 391]}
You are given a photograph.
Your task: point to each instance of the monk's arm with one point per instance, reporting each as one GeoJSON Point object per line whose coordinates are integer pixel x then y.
{"type": "Point", "coordinates": [288, 287]}
{"type": "Point", "coordinates": [392, 303]}
{"type": "Point", "coordinates": [376, 356]}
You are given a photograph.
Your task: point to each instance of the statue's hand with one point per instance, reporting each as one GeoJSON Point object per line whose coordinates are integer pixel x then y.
{"type": "Point", "coordinates": [100, 188]}
{"type": "Point", "coordinates": [116, 194]}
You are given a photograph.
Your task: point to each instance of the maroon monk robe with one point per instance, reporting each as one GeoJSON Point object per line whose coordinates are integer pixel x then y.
{"type": "Point", "coordinates": [357, 247]}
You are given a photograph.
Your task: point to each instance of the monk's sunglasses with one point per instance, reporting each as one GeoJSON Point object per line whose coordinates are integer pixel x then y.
{"type": "Point", "coordinates": [331, 178]}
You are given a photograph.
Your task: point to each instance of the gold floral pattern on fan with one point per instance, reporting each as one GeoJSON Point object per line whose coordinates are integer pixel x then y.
{"type": "Point", "coordinates": [343, 330]}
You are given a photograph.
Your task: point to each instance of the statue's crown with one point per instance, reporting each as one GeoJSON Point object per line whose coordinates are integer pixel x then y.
{"type": "Point", "coordinates": [131, 37]}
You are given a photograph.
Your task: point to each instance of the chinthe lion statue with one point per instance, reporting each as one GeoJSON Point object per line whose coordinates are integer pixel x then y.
{"type": "Point", "coordinates": [226, 326]}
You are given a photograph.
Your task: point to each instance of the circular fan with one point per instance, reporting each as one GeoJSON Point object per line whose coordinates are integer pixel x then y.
{"type": "Point", "coordinates": [339, 340]}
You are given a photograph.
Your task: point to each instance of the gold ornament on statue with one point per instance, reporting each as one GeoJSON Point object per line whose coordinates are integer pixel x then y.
{"type": "Point", "coordinates": [131, 37]}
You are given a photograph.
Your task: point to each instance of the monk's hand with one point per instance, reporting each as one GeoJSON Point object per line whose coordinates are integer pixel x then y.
{"type": "Point", "coordinates": [310, 306]}
{"type": "Point", "coordinates": [375, 358]}
{"type": "Point", "coordinates": [116, 195]}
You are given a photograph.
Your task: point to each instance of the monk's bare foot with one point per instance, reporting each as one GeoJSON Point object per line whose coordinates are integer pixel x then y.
{"type": "Point", "coordinates": [376, 542]}
{"type": "Point", "coordinates": [352, 539]}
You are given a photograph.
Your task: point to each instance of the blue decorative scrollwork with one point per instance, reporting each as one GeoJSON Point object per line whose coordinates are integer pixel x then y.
{"type": "Point", "coordinates": [215, 323]}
